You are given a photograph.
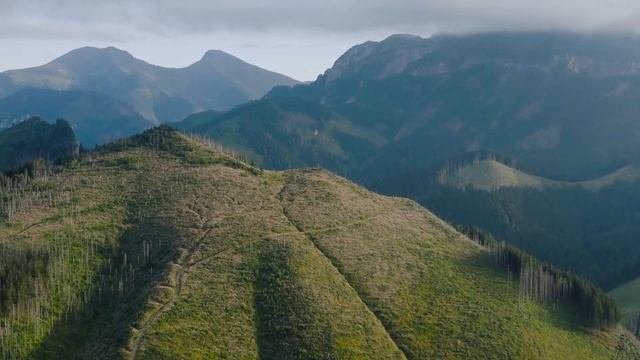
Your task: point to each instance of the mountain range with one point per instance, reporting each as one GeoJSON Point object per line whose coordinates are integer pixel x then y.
{"type": "Point", "coordinates": [282, 133]}
{"type": "Point", "coordinates": [553, 101]}
{"type": "Point", "coordinates": [134, 93]}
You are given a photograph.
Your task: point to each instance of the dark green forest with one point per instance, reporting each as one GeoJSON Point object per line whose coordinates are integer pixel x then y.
{"type": "Point", "coordinates": [35, 139]}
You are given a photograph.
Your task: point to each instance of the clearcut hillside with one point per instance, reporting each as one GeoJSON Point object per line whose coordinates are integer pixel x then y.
{"type": "Point", "coordinates": [162, 247]}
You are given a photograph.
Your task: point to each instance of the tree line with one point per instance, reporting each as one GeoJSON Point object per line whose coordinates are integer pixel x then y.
{"type": "Point", "coordinates": [542, 282]}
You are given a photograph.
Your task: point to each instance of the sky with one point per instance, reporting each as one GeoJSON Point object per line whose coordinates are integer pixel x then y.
{"type": "Point", "coordinates": [299, 38]}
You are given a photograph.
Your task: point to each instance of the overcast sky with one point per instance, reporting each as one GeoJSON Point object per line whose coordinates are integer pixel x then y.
{"type": "Point", "coordinates": [300, 38]}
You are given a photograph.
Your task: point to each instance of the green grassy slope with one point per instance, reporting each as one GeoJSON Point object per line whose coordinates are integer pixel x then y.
{"type": "Point", "coordinates": [159, 248]}
{"type": "Point", "coordinates": [488, 175]}
{"type": "Point", "coordinates": [437, 294]}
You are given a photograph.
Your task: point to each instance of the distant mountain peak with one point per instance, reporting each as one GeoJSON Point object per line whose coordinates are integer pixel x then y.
{"type": "Point", "coordinates": [215, 54]}
{"type": "Point", "coordinates": [403, 38]}
{"type": "Point", "coordinates": [88, 52]}
{"type": "Point", "coordinates": [219, 58]}
{"type": "Point", "coordinates": [405, 48]}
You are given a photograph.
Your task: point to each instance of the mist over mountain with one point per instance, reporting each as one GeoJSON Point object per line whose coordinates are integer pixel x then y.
{"type": "Point", "coordinates": [217, 81]}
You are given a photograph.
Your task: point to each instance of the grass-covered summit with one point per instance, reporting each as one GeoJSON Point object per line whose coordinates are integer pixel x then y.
{"type": "Point", "coordinates": [161, 247]}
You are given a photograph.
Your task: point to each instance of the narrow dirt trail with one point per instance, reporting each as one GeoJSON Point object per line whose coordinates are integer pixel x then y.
{"type": "Point", "coordinates": [184, 263]}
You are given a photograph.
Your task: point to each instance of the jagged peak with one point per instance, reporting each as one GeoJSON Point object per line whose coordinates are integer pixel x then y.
{"type": "Point", "coordinates": [393, 43]}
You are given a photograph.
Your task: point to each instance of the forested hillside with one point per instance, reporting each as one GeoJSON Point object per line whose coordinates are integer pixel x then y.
{"type": "Point", "coordinates": [627, 296]}
{"type": "Point", "coordinates": [554, 101]}
{"type": "Point", "coordinates": [285, 133]}
{"type": "Point", "coordinates": [35, 139]}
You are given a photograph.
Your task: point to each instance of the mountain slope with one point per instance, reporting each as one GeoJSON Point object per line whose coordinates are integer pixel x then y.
{"type": "Point", "coordinates": [158, 247]}
{"type": "Point", "coordinates": [554, 101]}
{"type": "Point", "coordinates": [96, 118]}
{"type": "Point", "coordinates": [34, 139]}
{"type": "Point", "coordinates": [218, 81]}
{"type": "Point", "coordinates": [586, 226]}
{"type": "Point", "coordinates": [282, 133]}
{"type": "Point", "coordinates": [490, 174]}
{"type": "Point", "coordinates": [488, 171]}
{"type": "Point", "coordinates": [628, 298]}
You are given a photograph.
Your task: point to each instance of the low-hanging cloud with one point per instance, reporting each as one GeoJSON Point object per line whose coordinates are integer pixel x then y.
{"type": "Point", "coordinates": [124, 18]}
{"type": "Point", "coordinates": [300, 38]}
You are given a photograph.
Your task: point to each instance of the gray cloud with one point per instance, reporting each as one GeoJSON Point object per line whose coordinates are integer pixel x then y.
{"type": "Point", "coordinates": [122, 18]}
{"type": "Point", "coordinates": [300, 38]}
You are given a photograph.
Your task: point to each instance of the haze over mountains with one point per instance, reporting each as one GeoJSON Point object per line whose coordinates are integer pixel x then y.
{"type": "Point", "coordinates": [109, 80]}
{"type": "Point", "coordinates": [550, 100]}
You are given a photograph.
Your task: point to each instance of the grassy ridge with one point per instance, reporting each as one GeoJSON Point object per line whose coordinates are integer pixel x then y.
{"type": "Point", "coordinates": [252, 285]}
{"type": "Point", "coordinates": [490, 175]}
